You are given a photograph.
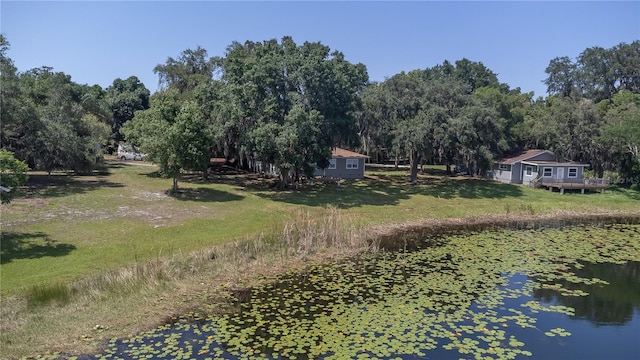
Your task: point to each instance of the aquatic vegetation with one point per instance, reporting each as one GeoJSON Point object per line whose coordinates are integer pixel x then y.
{"type": "Point", "coordinates": [471, 295]}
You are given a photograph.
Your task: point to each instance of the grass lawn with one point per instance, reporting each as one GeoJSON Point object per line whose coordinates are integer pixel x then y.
{"type": "Point", "coordinates": [68, 228]}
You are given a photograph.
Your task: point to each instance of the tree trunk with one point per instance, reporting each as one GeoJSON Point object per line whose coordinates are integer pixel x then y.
{"type": "Point", "coordinates": [448, 169]}
{"type": "Point", "coordinates": [414, 167]}
{"type": "Point", "coordinates": [205, 171]}
{"type": "Point", "coordinates": [174, 189]}
{"type": "Point", "coordinates": [284, 179]}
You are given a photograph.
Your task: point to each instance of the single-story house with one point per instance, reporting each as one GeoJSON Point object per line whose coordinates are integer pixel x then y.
{"type": "Point", "coordinates": [344, 164]}
{"type": "Point", "coordinates": [524, 167]}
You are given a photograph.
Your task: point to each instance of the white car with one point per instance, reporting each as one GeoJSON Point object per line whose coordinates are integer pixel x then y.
{"type": "Point", "coordinates": [129, 154]}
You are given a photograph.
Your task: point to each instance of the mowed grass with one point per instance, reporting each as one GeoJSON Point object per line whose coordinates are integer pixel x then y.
{"type": "Point", "coordinates": [68, 227]}
{"type": "Point", "coordinates": [79, 229]}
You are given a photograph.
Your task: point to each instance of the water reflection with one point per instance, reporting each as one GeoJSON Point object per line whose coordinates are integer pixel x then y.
{"type": "Point", "coordinates": [612, 304]}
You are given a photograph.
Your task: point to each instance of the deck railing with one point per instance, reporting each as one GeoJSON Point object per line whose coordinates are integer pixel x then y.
{"type": "Point", "coordinates": [575, 183]}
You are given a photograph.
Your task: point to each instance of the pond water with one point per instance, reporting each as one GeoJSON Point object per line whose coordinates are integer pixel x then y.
{"type": "Point", "coordinates": [571, 293]}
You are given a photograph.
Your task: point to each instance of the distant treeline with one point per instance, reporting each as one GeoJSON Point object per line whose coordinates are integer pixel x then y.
{"type": "Point", "coordinates": [284, 104]}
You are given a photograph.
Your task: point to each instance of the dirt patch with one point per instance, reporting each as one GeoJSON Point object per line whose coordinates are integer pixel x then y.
{"type": "Point", "coordinates": [155, 208]}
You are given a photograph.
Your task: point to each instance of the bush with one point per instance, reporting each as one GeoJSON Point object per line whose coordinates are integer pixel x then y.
{"type": "Point", "coordinates": [13, 174]}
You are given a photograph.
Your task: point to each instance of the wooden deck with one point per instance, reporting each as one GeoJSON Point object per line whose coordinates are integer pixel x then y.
{"type": "Point", "coordinates": [582, 184]}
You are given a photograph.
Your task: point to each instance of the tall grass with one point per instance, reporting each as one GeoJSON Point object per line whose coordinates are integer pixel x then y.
{"type": "Point", "coordinates": [47, 293]}
{"type": "Point", "coordinates": [298, 239]}
{"type": "Point", "coordinates": [305, 234]}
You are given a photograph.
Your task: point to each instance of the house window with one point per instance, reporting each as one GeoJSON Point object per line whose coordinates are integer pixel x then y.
{"type": "Point", "coordinates": [573, 172]}
{"type": "Point", "coordinates": [529, 170]}
{"type": "Point", "coordinates": [332, 164]}
{"type": "Point", "coordinates": [352, 163]}
{"type": "Point", "coordinates": [504, 167]}
{"type": "Point", "coordinates": [547, 172]}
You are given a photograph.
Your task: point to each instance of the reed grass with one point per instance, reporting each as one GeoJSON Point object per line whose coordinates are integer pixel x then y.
{"type": "Point", "coordinates": [43, 294]}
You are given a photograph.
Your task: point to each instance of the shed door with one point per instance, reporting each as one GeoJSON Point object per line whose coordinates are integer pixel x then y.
{"type": "Point", "coordinates": [560, 173]}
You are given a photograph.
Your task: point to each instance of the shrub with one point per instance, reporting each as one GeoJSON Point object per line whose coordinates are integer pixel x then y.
{"type": "Point", "coordinates": [13, 173]}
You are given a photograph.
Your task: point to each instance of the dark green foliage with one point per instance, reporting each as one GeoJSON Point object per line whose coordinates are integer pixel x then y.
{"type": "Point", "coordinates": [597, 74]}
{"type": "Point", "coordinates": [285, 105]}
{"type": "Point", "coordinates": [431, 116]}
{"type": "Point", "coordinates": [49, 121]}
{"type": "Point", "coordinates": [620, 134]}
{"type": "Point", "coordinates": [187, 72]}
{"type": "Point", "coordinates": [13, 174]}
{"type": "Point", "coordinates": [173, 134]}
{"type": "Point", "coordinates": [124, 98]}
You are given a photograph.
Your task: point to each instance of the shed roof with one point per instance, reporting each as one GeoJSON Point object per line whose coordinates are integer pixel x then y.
{"type": "Point", "coordinates": [523, 156]}
{"type": "Point", "coordinates": [343, 153]}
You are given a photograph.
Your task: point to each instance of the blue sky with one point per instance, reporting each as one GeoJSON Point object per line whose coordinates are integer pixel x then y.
{"type": "Point", "coordinates": [98, 41]}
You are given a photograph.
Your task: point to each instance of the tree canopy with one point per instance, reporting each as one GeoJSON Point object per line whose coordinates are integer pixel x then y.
{"type": "Point", "coordinates": [49, 121]}
{"type": "Point", "coordinates": [283, 105]}
{"type": "Point", "coordinates": [124, 98]}
{"type": "Point", "coordinates": [597, 73]}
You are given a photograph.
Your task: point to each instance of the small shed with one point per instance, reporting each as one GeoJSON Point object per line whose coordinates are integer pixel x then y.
{"type": "Point", "coordinates": [344, 164]}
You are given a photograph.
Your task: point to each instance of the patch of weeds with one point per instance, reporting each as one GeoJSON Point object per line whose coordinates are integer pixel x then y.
{"type": "Point", "coordinates": [46, 293]}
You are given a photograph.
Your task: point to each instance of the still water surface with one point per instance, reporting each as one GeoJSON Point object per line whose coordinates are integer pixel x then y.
{"type": "Point", "coordinates": [537, 294]}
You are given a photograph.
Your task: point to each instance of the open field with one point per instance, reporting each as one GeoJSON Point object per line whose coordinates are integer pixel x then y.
{"type": "Point", "coordinates": [69, 232]}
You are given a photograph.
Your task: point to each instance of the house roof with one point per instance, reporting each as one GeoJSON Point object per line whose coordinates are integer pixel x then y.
{"type": "Point", "coordinates": [554, 163]}
{"type": "Point", "coordinates": [523, 156]}
{"type": "Point", "coordinates": [343, 153]}
{"type": "Point", "coordinates": [526, 155]}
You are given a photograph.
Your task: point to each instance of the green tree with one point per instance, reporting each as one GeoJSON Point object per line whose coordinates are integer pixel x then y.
{"type": "Point", "coordinates": [13, 174]}
{"type": "Point", "coordinates": [173, 134]}
{"type": "Point", "coordinates": [621, 134]}
{"type": "Point", "coordinates": [191, 69]}
{"type": "Point", "coordinates": [562, 76]}
{"type": "Point", "coordinates": [293, 146]}
{"type": "Point", "coordinates": [480, 137]}
{"type": "Point", "coordinates": [475, 74]}
{"type": "Point", "coordinates": [124, 98]}
{"type": "Point", "coordinates": [538, 129]}
{"type": "Point", "coordinates": [261, 85]}
{"type": "Point", "coordinates": [511, 107]}
{"type": "Point", "coordinates": [374, 122]}
{"type": "Point", "coordinates": [18, 120]}
{"type": "Point", "coordinates": [52, 122]}
{"type": "Point", "coordinates": [410, 124]}
{"type": "Point", "coordinates": [64, 135]}
{"type": "Point", "coordinates": [448, 114]}
{"type": "Point", "coordinates": [597, 73]}
{"type": "Point", "coordinates": [9, 90]}
{"type": "Point", "coordinates": [627, 62]}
